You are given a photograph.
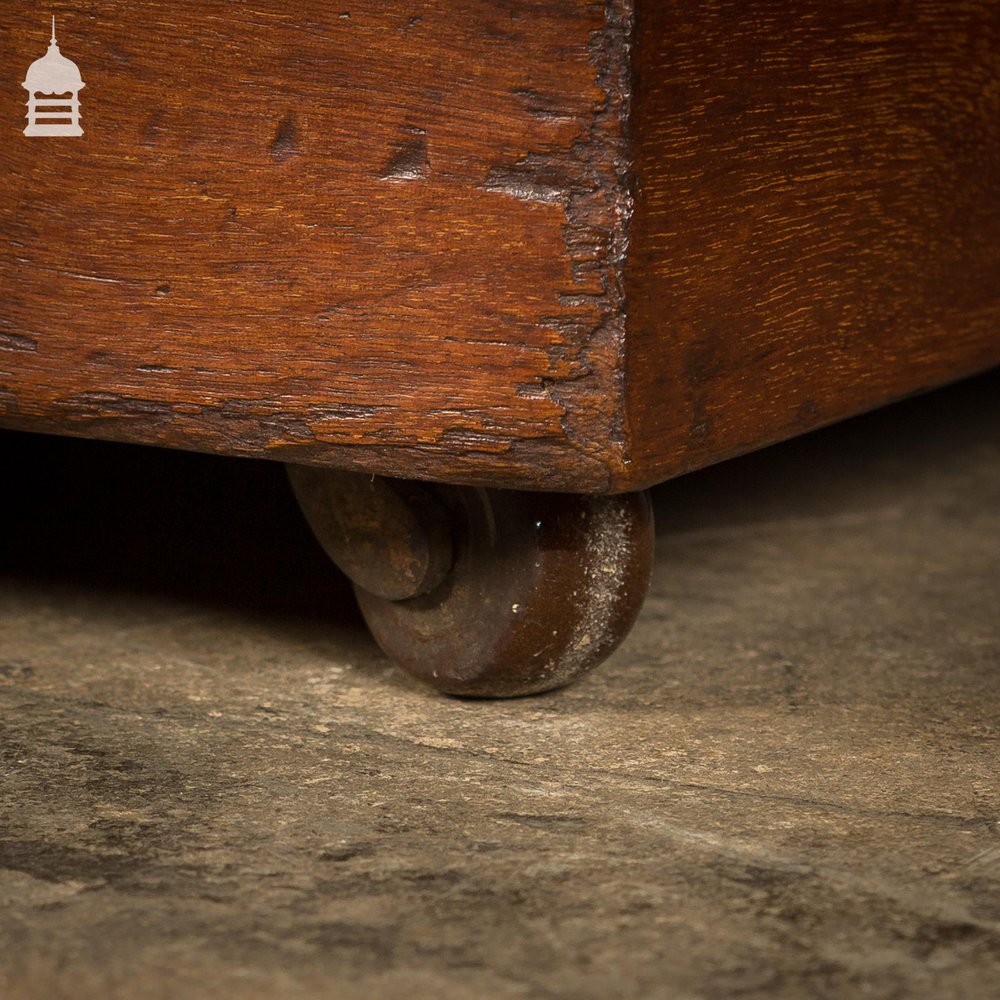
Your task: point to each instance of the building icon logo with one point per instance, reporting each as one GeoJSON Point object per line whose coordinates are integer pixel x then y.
{"type": "Point", "coordinates": [53, 84]}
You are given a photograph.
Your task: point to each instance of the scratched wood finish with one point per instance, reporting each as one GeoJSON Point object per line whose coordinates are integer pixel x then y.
{"type": "Point", "coordinates": [541, 244]}
{"type": "Point", "coordinates": [378, 235]}
{"type": "Point", "coordinates": [817, 220]}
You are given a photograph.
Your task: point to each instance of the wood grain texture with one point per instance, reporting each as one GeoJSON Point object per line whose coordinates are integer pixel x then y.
{"type": "Point", "coordinates": [383, 236]}
{"type": "Point", "coordinates": [540, 244]}
{"type": "Point", "coordinates": [817, 216]}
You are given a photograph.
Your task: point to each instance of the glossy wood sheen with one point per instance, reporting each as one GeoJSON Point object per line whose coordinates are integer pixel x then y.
{"type": "Point", "coordinates": [817, 220]}
{"type": "Point", "coordinates": [375, 235]}
{"type": "Point", "coordinates": [542, 244]}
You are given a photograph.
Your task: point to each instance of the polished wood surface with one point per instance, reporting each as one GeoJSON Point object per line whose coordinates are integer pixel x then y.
{"type": "Point", "coordinates": [545, 244]}
{"type": "Point", "coordinates": [376, 235]}
{"type": "Point", "coordinates": [817, 217]}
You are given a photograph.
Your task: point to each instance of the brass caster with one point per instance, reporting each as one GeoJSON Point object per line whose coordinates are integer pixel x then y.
{"type": "Point", "coordinates": [483, 592]}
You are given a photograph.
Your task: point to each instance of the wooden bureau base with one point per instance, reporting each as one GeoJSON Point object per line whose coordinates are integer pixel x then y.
{"type": "Point", "coordinates": [576, 247]}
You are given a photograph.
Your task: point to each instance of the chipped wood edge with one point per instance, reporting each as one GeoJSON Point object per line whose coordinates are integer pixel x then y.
{"type": "Point", "coordinates": [591, 456]}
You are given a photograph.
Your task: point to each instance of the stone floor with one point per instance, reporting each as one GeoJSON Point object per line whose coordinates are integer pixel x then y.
{"type": "Point", "coordinates": [785, 784]}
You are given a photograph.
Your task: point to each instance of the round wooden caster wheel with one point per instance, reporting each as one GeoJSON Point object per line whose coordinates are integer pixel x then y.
{"type": "Point", "coordinates": [489, 593]}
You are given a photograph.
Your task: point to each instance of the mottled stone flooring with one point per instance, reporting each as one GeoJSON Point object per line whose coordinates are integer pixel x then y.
{"type": "Point", "coordinates": [785, 784]}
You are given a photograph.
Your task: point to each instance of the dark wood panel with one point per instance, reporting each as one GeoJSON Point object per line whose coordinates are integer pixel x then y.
{"type": "Point", "coordinates": [817, 215]}
{"type": "Point", "coordinates": [396, 240]}
{"type": "Point", "coordinates": [381, 235]}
